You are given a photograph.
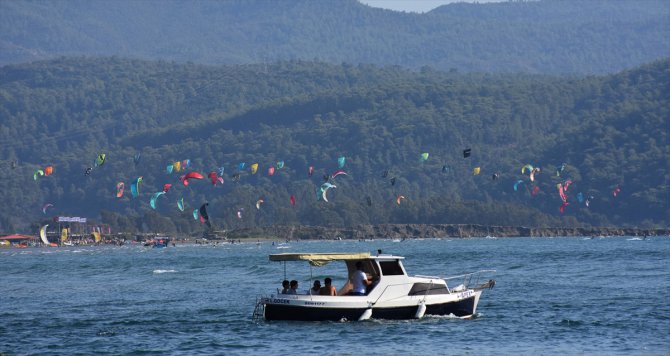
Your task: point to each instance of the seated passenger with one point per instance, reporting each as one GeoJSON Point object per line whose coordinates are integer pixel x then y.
{"type": "Point", "coordinates": [285, 286]}
{"type": "Point", "coordinates": [328, 289]}
{"type": "Point", "coordinates": [294, 287]}
{"type": "Point", "coordinates": [316, 288]}
{"type": "Point", "coordinates": [346, 288]}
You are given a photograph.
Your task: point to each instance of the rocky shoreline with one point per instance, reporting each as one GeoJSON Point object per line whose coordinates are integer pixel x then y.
{"type": "Point", "coordinates": [409, 231]}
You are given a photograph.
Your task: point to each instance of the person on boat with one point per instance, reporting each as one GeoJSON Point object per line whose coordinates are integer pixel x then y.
{"type": "Point", "coordinates": [316, 288]}
{"type": "Point", "coordinates": [285, 287]}
{"type": "Point", "coordinates": [359, 280]}
{"type": "Point", "coordinates": [294, 287]}
{"type": "Point", "coordinates": [328, 289]}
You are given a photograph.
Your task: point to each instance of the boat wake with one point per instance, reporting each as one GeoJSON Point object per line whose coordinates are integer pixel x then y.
{"type": "Point", "coordinates": [159, 271]}
{"type": "Point", "coordinates": [450, 316]}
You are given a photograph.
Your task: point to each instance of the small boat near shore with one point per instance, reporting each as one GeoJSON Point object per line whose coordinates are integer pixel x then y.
{"type": "Point", "coordinates": [392, 295]}
{"type": "Point", "coordinates": [158, 242]}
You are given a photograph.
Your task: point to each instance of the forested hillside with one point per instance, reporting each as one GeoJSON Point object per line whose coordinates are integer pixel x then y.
{"type": "Point", "coordinates": [548, 37]}
{"type": "Point", "coordinates": [610, 132]}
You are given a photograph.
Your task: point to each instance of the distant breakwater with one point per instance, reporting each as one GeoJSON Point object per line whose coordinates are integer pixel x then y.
{"type": "Point", "coordinates": [409, 231]}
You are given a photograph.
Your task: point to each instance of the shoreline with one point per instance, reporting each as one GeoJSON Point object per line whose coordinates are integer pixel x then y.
{"type": "Point", "coordinates": [409, 231]}
{"type": "Point", "coordinates": [378, 232]}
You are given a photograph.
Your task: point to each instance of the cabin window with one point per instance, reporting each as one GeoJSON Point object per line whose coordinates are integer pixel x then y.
{"type": "Point", "coordinates": [391, 268]}
{"type": "Point", "coordinates": [428, 288]}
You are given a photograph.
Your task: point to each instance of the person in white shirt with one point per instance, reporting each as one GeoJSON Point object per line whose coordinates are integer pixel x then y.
{"type": "Point", "coordinates": [316, 288]}
{"type": "Point", "coordinates": [359, 280]}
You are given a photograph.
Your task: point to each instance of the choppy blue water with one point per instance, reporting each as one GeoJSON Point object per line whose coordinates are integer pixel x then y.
{"type": "Point", "coordinates": [553, 296]}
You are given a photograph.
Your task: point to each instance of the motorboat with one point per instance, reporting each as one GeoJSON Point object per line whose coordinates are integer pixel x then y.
{"type": "Point", "coordinates": [392, 294]}
{"type": "Point", "coordinates": [158, 242]}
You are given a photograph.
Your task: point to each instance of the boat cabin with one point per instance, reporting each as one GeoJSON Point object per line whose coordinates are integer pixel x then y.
{"type": "Point", "coordinates": [375, 267]}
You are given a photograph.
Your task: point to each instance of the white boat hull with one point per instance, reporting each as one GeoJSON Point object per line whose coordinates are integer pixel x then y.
{"type": "Point", "coordinates": [316, 308]}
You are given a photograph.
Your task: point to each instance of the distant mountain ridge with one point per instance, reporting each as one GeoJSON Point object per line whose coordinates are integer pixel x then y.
{"type": "Point", "coordinates": [553, 37]}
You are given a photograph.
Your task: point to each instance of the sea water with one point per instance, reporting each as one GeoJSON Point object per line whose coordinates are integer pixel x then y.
{"type": "Point", "coordinates": [553, 296]}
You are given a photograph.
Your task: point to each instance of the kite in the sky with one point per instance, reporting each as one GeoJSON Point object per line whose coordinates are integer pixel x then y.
{"type": "Point", "coordinates": [152, 202]}
{"type": "Point", "coordinates": [135, 187]}
{"type": "Point", "coordinates": [204, 217]}
{"type": "Point", "coordinates": [190, 175]}
{"type": "Point", "coordinates": [340, 162]}
{"type": "Point", "coordinates": [324, 188]}
{"type": "Point", "coordinates": [337, 173]}
{"type": "Point", "coordinates": [45, 207]}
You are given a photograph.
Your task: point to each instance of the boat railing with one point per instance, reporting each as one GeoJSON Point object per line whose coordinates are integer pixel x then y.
{"type": "Point", "coordinates": [431, 277]}
{"type": "Point", "coordinates": [468, 279]}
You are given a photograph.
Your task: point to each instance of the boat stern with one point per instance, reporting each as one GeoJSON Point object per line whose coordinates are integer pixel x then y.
{"type": "Point", "coordinates": [313, 308]}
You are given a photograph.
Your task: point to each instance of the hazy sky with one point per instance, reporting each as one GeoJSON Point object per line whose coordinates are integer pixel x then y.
{"type": "Point", "coordinates": [415, 5]}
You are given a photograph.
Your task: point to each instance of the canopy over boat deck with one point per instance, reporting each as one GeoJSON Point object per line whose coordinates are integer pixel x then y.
{"type": "Point", "coordinates": [319, 259]}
